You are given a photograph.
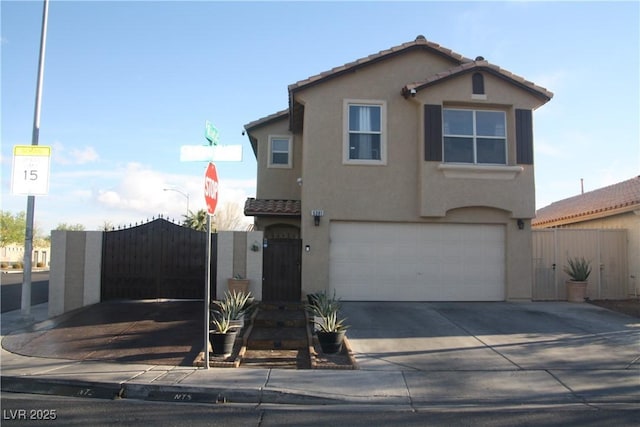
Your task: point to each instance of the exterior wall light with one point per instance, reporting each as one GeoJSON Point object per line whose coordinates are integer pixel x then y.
{"type": "Point", "coordinates": [317, 214]}
{"type": "Point", "coordinates": [520, 224]}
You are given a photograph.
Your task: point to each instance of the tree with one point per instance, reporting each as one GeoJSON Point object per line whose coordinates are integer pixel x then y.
{"type": "Point", "coordinates": [12, 227]}
{"type": "Point", "coordinates": [229, 217]}
{"type": "Point", "coordinates": [70, 227]}
{"type": "Point", "coordinates": [107, 226]}
{"type": "Point", "coordinates": [196, 220]}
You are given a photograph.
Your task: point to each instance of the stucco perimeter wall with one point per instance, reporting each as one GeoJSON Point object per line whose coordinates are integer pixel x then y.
{"type": "Point", "coordinates": [74, 278]}
{"type": "Point", "coordinates": [239, 253]}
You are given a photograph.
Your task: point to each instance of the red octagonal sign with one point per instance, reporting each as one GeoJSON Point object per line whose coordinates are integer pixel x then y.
{"type": "Point", "coordinates": [211, 188]}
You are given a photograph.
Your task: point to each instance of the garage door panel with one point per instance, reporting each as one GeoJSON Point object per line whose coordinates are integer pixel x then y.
{"type": "Point", "coordinates": [417, 262]}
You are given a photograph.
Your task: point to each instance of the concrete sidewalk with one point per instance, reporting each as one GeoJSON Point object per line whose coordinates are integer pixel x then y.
{"type": "Point", "coordinates": [394, 387]}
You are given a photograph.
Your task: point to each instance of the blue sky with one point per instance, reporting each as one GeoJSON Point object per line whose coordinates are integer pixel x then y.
{"type": "Point", "coordinates": [127, 83]}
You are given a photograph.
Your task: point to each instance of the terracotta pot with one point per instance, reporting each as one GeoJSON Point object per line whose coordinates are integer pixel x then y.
{"type": "Point", "coordinates": [238, 285]}
{"type": "Point", "coordinates": [576, 291]}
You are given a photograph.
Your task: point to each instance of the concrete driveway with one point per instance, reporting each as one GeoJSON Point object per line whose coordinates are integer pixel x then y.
{"type": "Point", "coordinates": [492, 336]}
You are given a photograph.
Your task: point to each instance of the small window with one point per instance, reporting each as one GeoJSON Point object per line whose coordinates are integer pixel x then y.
{"type": "Point", "coordinates": [477, 83]}
{"type": "Point", "coordinates": [365, 141]}
{"type": "Point", "coordinates": [280, 152]}
{"type": "Point", "coordinates": [477, 137]}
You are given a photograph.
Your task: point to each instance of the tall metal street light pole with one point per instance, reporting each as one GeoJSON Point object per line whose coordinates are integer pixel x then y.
{"type": "Point", "coordinates": [184, 194]}
{"type": "Point", "coordinates": [28, 234]}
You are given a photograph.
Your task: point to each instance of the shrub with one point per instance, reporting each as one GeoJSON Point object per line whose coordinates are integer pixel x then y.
{"type": "Point", "coordinates": [578, 269]}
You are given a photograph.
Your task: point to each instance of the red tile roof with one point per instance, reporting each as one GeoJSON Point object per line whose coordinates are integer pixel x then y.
{"type": "Point", "coordinates": [480, 65]}
{"type": "Point", "coordinates": [419, 43]}
{"type": "Point", "coordinates": [611, 200]}
{"type": "Point", "coordinates": [272, 207]}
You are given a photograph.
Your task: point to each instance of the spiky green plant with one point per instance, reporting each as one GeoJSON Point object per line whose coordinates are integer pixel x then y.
{"type": "Point", "coordinates": [578, 269]}
{"type": "Point", "coordinates": [322, 304]}
{"type": "Point", "coordinates": [221, 323]}
{"type": "Point", "coordinates": [234, 305]}
{"type": "Point", "coordinates": [331, 323]}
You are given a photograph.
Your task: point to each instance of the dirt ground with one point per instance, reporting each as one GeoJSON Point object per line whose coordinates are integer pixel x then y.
{"type": "Point", "coordinates": [630, 306]}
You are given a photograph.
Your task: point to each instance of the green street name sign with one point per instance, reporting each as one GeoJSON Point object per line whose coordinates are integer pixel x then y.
{"type": "Point", "coordinates": [211, 133]}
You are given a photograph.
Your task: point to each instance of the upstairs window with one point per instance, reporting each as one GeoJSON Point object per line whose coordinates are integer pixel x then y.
{"type": "Point", "coordinates": [365, 133]}
{"type": "Point", "coordinates": [474, 136]}
{"type": "Point", "coordinates": [280, 152]}
{"type": "Point", "coordinates": [477, 83]}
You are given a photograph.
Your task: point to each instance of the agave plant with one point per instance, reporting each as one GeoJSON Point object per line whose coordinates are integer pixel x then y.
{"type": "Point", "coordinates": [578, 269]}
{"type": "Point", "coordinates": [221, 323]}
{"type": "Point", "coordinates": [234, 305]}
{"type": "Point", "coordinates": [323, 305]}
{"type": "Point", "coordinates": [331, 323]}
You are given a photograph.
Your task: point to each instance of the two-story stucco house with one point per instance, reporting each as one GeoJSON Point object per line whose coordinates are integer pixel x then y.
{"type": "Point", "coordinates": [408, 176]}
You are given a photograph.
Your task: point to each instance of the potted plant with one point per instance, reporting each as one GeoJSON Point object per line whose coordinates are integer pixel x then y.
{"type": "Point", "coordinates": [238, 284]}
{"type": "Point", "coordinates": [321, 305]}
{"type": "Point", "coordinates": [330, 329]}
{"type": "Point", "coordinates": [222, 336]}
{"type": "Point", "coordinates": [235, 306]}
{"type": "Point", "coordinates": [578, 270]}
{"type": "Point", "coordinates": [331, 333]}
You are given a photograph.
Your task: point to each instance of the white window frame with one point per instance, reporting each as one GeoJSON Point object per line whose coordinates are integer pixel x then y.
{"type": "Point", "coordinates": [475, 137]}
{"type": "Point", "coordinates": [289, 163]}
{"type": "Point", "coordinates": [383, 132]}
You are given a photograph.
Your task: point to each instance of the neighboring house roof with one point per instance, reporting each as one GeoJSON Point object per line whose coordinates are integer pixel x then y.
{"type": "Point", "coordinates": [607, 201]}
{"type": "Point", "coordinates": [272, 207]}
{"type": "Point", "coordinates": [475, 66]}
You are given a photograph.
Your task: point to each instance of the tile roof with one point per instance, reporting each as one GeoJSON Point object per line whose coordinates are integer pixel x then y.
{"type": "Point", "coordinates": [621, 197]}
{"type": "Point", "coordinates": [479, 65]}
{"type": "Point", "coordinates": [419, 43]}
{"type": "Point", "coordinates": [268, 119]}
{"type": "Point", "coordinates": [272, 207]}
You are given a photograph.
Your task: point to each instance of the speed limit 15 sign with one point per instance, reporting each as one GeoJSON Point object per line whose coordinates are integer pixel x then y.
{"type": "Point", "coordinates": [30, 170]}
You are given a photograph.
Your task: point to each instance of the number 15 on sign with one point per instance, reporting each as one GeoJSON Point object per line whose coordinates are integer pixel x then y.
{"type": "Point", "coordinates": [30, 170]}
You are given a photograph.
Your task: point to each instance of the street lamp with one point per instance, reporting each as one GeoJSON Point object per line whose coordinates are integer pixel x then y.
{"type": "Point", "coordinates": [184, 194]}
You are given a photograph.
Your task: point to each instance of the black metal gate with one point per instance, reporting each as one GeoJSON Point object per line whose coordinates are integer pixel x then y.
{"type": "Point", "coordinates": [158, 259]}
{"type": "Point", "coordinates": [281, 270]}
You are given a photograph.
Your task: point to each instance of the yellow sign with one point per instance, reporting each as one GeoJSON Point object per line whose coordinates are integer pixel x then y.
{"type": "Point", "coordinates": [31, 170]}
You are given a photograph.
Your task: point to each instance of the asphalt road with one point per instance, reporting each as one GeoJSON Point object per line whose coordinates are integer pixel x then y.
{"type": "Point", "coordinates": [30, 409]}
{"type": "Point", "coordinates": [11, 290]}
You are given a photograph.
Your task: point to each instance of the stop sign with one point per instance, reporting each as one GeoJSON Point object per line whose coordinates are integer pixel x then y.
{"type": "Point", "coordinates": [211, 188]}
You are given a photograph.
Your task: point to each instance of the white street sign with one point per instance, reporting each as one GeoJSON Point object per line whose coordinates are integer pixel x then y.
{"type": "Point", "coordinates": [30, 170]}
{"type": "Point", "coordinates": [211, 153]}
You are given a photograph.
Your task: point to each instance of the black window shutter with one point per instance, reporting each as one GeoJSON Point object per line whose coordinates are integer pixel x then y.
{"type": "Point", "coordinates": [433, 133]}
{"type": "Point", "coordinates": [524, 137]}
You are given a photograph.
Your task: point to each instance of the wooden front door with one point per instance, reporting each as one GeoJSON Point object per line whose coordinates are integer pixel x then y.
{"type": "Point", "coordinates": [282, 262]}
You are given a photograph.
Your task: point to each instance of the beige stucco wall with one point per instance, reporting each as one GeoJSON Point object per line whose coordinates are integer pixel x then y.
{"type": "Point", "coordinates": [277, 183]}
{"type": "Point", "coordinates": [236, 256]}
{"type": "Point", "coordinates": [631, 222]}
{"type": "Point", "coordinates": [74, 279]}
{"type": "Point", "coordinates": [406, 188]}
{"type": "Point", "coordinates": [514, 190]}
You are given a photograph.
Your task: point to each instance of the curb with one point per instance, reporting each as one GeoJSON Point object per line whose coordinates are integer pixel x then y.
{"type": "Point", "coordinates": [161, 393]}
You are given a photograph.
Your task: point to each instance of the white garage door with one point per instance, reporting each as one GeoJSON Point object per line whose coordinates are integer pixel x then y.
{"type": "Point", "coordinates": [417, 262]}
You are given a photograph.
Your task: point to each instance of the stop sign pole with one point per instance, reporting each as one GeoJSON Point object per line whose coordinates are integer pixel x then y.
{"type": "Point", "coordinates": [211, 198]}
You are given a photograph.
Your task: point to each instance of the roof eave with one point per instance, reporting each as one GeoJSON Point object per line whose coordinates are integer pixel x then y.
{"type": "Point", "coordinates": [585, 216]}
{"type": "Point", "coordinates": [543, 94]}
